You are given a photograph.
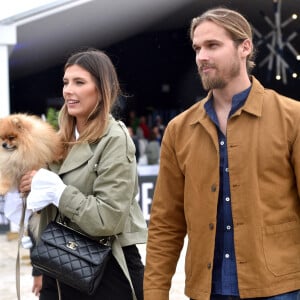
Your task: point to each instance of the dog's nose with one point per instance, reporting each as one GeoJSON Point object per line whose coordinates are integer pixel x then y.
{"type": "Point", "coordinates": [8, 147]}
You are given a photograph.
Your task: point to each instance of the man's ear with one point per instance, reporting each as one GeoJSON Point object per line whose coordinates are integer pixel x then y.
{"type": "Point", "coordinates": [246, 47]}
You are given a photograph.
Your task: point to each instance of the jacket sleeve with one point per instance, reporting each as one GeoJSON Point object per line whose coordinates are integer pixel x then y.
{"type": "Point", "coordinates": [167, 227]}
{"type": "Point", "coordinates": [296, 150]}
{"type": "Point", "coordinates": [104, 211]}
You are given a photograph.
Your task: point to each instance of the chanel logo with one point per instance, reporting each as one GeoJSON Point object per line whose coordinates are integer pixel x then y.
{"type": "Point", "coordinates": [71, 245]}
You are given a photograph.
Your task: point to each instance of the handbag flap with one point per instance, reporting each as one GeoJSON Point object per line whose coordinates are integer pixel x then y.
{"type": "Point", "coordinates": [75, 243]}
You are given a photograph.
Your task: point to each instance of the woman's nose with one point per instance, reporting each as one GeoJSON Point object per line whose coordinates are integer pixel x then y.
{"type": "Point", "coordinates": [67, 89]}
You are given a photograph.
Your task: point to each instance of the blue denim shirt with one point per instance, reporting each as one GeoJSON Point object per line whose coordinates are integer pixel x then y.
{"type": "Point", "coordinates": [224, 281]}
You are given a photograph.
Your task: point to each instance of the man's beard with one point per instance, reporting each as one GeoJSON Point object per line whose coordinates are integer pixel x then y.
{"type": "Point", "coordinates": [212, 83]}
{"type": "Point", "coordinates": [218, 81]}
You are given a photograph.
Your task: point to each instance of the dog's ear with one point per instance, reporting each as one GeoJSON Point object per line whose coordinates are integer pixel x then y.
{"type": "Point", "coordinates": [17, 123]}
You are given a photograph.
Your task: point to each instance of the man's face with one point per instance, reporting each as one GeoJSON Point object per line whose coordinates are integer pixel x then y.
{"type": "Point", "coordinates": [217, 57]}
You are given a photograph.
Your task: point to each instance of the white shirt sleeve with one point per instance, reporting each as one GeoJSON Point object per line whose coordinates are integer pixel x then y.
{"type": "Point", "coordinates": [13, 207]}
{"type": "Point", "coordinates": [46, 188]}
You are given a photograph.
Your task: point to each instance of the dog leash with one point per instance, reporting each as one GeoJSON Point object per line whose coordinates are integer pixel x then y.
{"type": "Point", "coordinates": [21, 233]}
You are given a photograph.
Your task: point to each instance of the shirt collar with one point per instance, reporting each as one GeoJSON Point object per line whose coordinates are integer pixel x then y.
{"type": "Point", "coordinates": [238, 100]}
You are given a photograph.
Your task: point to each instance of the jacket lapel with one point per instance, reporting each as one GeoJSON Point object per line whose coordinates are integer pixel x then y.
{"type": "Point", "coordinates": [78, 156]}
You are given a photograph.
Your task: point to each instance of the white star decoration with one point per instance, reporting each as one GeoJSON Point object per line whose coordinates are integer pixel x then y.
{"type": "Point", "coordinates": [276, 44]}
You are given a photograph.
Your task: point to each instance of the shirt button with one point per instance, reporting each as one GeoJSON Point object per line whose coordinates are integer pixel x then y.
{"type": "Point", "coordinates": [222, 143]}
{"type": "Point", "coordinates": [209, 266]}
{"type": "Point", "coordinates": [227, 255]}
{"type": "Point", "coordinates": [211, 226]}
{"type": "Point", "coordinates": [227, 199]}
{"type": "Point", "coordinates": [226, 170]}
{"type": "Point", "coordinates": [228, 227]}
{"type": "Point", "coordinates": [213, 188]}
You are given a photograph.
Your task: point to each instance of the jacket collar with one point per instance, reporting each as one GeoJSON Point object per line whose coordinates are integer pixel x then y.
{"type": "Point", "coordinates": [253, 104]}
{"type": "Point", "coordinates": [80, 154]}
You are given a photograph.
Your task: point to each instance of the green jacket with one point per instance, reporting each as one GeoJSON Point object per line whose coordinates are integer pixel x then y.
{"type": "Point", "coordinates": [263, 144]}
{"type": "Point", "coordinates": [102, 184]}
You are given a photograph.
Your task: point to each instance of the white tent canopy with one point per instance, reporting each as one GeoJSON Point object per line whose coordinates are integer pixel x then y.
{"type": "Point", "coordinates": [18, 13]}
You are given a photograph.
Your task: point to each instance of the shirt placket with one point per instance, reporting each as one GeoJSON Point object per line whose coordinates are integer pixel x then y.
{"type": "Point", "coordinates": [228, 261]}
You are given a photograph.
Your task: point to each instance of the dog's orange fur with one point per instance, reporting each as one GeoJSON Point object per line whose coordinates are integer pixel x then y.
{"type": "Point", "coordinates": [26, 143]}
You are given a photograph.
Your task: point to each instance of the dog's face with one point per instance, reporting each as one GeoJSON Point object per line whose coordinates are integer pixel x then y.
{"type": "Point", "coordinates": [10, 133]}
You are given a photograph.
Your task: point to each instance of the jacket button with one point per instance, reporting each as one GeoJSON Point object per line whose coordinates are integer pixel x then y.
{"type": "Point", "coordinates": [213, 188]}
{"type": "Point", "coordinates": [211, 226]}
{"type": "Point", "coordinates": [209, 266]}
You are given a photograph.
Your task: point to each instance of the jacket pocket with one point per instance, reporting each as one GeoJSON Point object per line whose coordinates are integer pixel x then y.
{"type": "Point", "coordinates": [281, 246]}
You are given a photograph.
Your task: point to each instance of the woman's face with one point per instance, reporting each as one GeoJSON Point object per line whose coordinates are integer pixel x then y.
{"type": "Point", "coordinates": [80, 92]}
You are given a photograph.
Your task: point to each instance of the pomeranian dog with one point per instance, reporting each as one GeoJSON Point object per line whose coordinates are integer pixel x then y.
{"type": "Point", "coordinates": [26, 143]}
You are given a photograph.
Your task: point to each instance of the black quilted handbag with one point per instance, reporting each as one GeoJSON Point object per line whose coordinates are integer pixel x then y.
{"type": "Point", "coordinates": [71, 257]}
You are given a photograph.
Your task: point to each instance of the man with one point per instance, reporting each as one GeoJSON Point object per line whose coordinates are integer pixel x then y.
{"type": "Point", "coordinates": [229, 179]}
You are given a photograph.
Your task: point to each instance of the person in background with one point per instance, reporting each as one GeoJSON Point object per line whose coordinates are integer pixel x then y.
{"type": "Point", "coordinates": [133, 120]}
{"type": "Point", "coordinates": [143, 127]}
{"type": "Point", "coordinates": [95, 186]}
{"type": "Point", "coordinates": [152, 150]}
{"type": "Point", "coordinates": [229, 179]}
{"type": "Point", "coordinates": [135, 141]}
{"type": "Point", "coordinates": [157, 134]}
{"type": "Point", "coordinates": [160, 126]}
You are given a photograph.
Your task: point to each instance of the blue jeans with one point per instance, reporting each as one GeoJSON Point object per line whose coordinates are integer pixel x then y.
{"type": "Point", "coordinates": [288, 296]}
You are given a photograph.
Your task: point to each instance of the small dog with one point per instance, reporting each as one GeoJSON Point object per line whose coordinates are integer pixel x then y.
{"type": "Point", "coordinates": [26, 143]}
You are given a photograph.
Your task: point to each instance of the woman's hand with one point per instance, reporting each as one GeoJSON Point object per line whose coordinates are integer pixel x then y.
{"type": "Point", "coordinates": [44, 188]}
{"type": "Point", "coordinates": [37, 285]}
{"type": "Point", "coordinates": [25, 183]}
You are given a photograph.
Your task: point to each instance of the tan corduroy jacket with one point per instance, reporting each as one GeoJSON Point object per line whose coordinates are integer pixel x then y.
{"type": "Point", "coordinates": [263, 143]}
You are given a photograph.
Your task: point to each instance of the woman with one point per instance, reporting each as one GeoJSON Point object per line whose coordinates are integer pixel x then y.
{"type": "Point", "coordinates": [95, 186]}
